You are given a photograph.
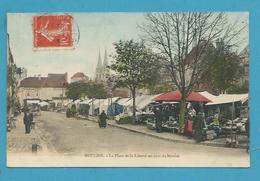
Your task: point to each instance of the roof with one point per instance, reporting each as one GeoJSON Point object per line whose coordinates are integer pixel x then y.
{"type": "Point", "coordinates": [78, 75]}
{"type": "Point", "coordinates": [52, 81]}
{"type": "Point", "coordinates": [228, 98]}
{"type": "Point", "coordinates": [34, 82]}
{"type": "Point", "coordinates": [56, 80]}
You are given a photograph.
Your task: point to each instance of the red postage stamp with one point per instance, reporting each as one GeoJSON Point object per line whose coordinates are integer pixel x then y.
{"type": "Point", "coordinates": [52, 31]}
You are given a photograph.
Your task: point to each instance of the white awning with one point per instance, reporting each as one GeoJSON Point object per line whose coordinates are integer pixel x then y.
{"type": "Point", "coordinates": [208, 95]}
{"type": "Point", "coordinates": [145, 101]}
{"type": "Point", "coordinates": [86, 101]}
{"type": "Point", "coordinates": [43, 103]}
{"type": "Point", "coordinates": [124, 101]}
{"type": "Point", "coordinates": [33, 101]}
{"type": "Point", "coordinates": [77, 101]}
{"type": "Point", "coordinates": [228, 98]}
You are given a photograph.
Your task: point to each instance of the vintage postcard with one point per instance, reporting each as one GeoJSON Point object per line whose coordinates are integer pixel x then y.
{"type": "Point", "coordinates": [164, 89]}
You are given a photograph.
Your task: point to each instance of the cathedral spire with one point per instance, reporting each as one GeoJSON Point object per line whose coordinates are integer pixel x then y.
{"type": "Point", "coordinates": [99, 68]}
{"type": "Point", "coordinates": [105, 62]}
{"type": "Point", "coordinates": [99, 64]}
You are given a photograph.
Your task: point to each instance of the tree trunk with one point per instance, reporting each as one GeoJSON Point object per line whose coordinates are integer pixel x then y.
{"type": "Point", "coordinates": [182, 116]}
{"type": "Point", "coordinates": [134, 113]}
{"type": "Point", "coordinates": [93, 109]}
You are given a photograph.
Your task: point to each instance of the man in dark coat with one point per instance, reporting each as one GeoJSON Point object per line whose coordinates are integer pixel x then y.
{"type": "Point", "coordinates": [158, 119]}
{"type": "Point", "coordinates": [103, 119]}
{"type": "Point", "coordinates": [198, 127]}
{"type": "Point", "coordinates": [31, 119]}
{"type": "Point", "coordinates": [27, 122]}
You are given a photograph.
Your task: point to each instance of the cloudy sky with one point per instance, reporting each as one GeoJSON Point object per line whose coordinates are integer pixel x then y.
{"type": "Point", "coordinates": [97, 32]}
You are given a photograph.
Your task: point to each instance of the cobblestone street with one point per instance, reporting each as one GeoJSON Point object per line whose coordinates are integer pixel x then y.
{"type": "Point", "coordinates": [18, 141]}
{"type": "Point", "coordinates": [68, 140]}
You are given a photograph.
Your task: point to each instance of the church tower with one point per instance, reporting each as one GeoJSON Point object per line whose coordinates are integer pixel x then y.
{"type": "Point", "coordinates": [99, 69]}
{"type": "Point", "coordinates": [105, 64]}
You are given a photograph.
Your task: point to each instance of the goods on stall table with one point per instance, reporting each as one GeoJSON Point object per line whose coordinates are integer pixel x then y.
{"type": "Point", "coordinates": [210, 134]}
{"type": "Point", "coordinates": [124, 118]}
{"type": "Point", "coordinates": [150, 123]}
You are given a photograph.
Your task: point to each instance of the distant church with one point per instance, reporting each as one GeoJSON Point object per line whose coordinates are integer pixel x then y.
{"type": "Point", "coordinates": [101, 68]}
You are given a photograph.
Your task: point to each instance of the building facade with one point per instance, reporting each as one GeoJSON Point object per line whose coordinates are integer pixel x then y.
{"type": "Point", "coordinates": [43, 88]}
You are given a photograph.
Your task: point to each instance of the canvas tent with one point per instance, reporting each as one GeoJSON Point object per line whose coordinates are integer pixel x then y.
{"type": "Point", "coordinates": [43, 103]}
{"type": "Point", "coordinates": [95, 106]}
{"type": "Point", "coordinates": [86, 101]}
{"type": "Point", "coordinates": [122, 101]}
{"type": "Point", "coordinates": [68, 102]}
{"type": "Point", "coordinates": [84, 107]}
{"type": "Point", "coordinates": [176, 96]}
{"type": "Point", "coordinates": [117, 107]}
{"type": "Point", "coordinates": [114, 109]}
{"type": "Point", "coordinates": [229, 105]}
{"type": "Point", "coordinates": [33, 101]}
{"type": "Point", "coordinates": [145, 101]}
{"type": "Point", "coordinates": [129, 104]}
{"type": "Point", "coordinates": [105, 104]}
{"type": "Point", "coordinates": [207, 95]}
{"type": "Point", "coordinates": [141, 102]}
{"type": "Point", "coordinates": [76, 102]}
{"type": "Point", "coordinates": [228, 98]}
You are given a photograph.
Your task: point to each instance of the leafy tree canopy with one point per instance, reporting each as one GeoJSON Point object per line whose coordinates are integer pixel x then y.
{"type": "Point", "coordinates": [77, 90]}
{"type": "Point", "coordinates": [135, 65]}
{"type": "Point", "coordinates": [223, 67]}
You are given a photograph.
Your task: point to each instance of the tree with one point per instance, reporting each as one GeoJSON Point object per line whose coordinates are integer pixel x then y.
{"type": "Point", "coordinates": [96, 90]}
{"type": "Point", "coordinates": [182, 39]}
{"type": "Point", "coordinates": [223, 67]}
{"type": "Point", "coordinates": [77, 90]}
{"type": "Point", "coordinates": [135, 66]}
{"type": "Point", "coordinates": [160, 88]}
{"type": "Point", "coordinates": [239, 89]}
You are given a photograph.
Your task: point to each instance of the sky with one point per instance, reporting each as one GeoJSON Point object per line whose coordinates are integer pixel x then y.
{"type": "Point", "coordinates": [98, 32]}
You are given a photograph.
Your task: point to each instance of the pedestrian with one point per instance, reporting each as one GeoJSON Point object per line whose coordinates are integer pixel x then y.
{"type": "Point", "coordinates": [30, 120]}
{"type": "Point", "coordinates": [26, 122]}
{"type": "Point", "coordinates": [102, 120]}
{"type": "Point", "coordinates": [189, 127]}
{"type": "Point", "coordinates": [198, 127]}
{"type": "Point", "coordinates": [158, 119]}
